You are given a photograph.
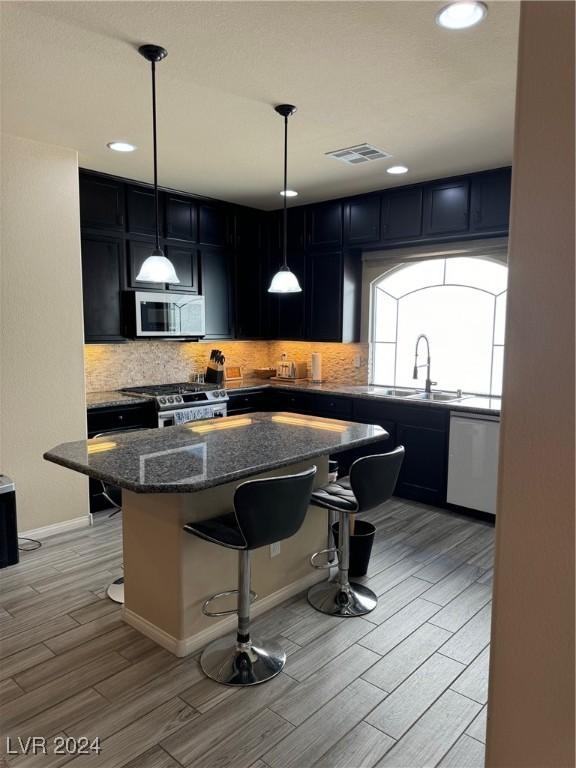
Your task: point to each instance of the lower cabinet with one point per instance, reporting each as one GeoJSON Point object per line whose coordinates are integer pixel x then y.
{"type": "Point", "coordinates": [424, 470]}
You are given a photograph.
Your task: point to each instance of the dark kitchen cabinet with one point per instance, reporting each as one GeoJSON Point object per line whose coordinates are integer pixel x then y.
{"type": "Point", "coordinates": [362, 220]}
{"type": "Point", "coordinates": [490, 202]}
{"type": "Point", "coordinates": [213, 224]}
{"type": "Point", "coordinates": [246, 402]}
{"type": "Point", "coordinates": [251, 295]}
{"type": "Point", "coordinates": [402, 214]}
{"type": "Point", "coordinates": [217, 274]}
{"type": "Point", "coordinates": [291, 307]}
{"type": "Point", "coordinates": [101, 203]}
{"type": "Point", "coordinates": [185, 261]}
{"type": "Point", "coordinates": [181, 219]}
{"type": "Point", "coordinates": [324, 295]}
{"type": "Point", "coordinates": [296, 229]}
{"type": "Point", "coordinates": [102, 260]}
{"type": "Point", "coordinates": [249, 230]}
{"type": "Point", "coordinates": [137, 252]}
{"type": "Point", "coordinates": [141, 212]}
{"type": "Point", "coordinates": [324, 224]}
{"type": "Point", "coordinates": [424, 435]}
{"type": "Point", "coordinates": [446, 208]}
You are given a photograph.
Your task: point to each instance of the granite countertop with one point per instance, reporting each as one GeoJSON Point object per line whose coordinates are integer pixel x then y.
{"type": "Point", "coordinates": [473, 404]}
{"type": "Point", "coordinates": [111, 398]}
{"type": "Point", "coordinates": [201, 455]}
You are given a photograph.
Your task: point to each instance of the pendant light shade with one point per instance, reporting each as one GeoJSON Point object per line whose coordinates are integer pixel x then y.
{"type": "Point", "coordinates": [156, 268]}
{"type": "Point", "coordinates": [285, 281]}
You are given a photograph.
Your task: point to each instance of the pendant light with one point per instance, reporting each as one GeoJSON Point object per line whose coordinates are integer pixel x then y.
{"type": "Point", "coordinates": [156, 267]}
{"type": "Point", "coordinates": [285, 281]}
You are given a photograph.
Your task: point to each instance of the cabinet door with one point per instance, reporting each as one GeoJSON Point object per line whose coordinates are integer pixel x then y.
{"type": "Point", "coordinates": [250, 295]}
{"type": "Point", "coordinates": [185, 261]}
{"type": "Point", "coordinates": [216, 285]}
{"type": "Point", "coordinates": [249, 226]}
{"type": "Point", "coordinates": [362, 220]}
{"type": "Point", "coordinates": [324, 296]}
{"type": "Point", "coordinates": [446, 208]}
{"type": "Point", "coordinates": [101, 280]}
{"type": "Point", "coordinates": [325, 225]}
{"type": "Point", "coordinates": [402, 214]}
{"type": "Point", "coordinates": [423, 473]}
{"type": "Point", "coordinates": [101, 203]}
{"type": "Point", "coordinates": [296, 229]}
{"type": "Point", "coordinates": [213, 224]}
{"type": "Point", "coordinates": [140, 205]}
{"type": "Point", "coordinates": [490, 202]}
{"type": "Point", "coordinates": [181, 218]}
{"type": "Point", "coordinates": [291, 307]}
{"type": "Point", "coordinates": [138, 252]}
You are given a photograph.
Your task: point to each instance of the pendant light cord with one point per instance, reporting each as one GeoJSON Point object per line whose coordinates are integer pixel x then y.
{"type": "Point", "coordinates": [155, 143]}
{"type": "Point", "coordinates": [285, 239]}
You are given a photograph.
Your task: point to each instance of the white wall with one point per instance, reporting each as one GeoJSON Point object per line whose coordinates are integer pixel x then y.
{"type": "Point", "coordinates": [42, 400]}
{"type": "Point", "coordinates": [531, 697]}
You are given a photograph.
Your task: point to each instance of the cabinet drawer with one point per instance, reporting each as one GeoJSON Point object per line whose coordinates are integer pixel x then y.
{"type": "Point", "coordinates": [299, 402]}
{"type": "Point", "coordinates": [125, 417]}
{"type": "Point", "coordinates": [328, 405]}
{"type": "Point", "coordinates": [245, 403]}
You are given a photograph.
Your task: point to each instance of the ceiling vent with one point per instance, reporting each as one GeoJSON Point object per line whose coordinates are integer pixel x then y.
{"type": "Point", "coordinates": [361, 153]}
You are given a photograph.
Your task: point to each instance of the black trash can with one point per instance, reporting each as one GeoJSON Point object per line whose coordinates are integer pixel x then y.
{"type": "Point", "coordinates": [360, 547]}
{"type": "Point", "coordinates": [8, 524]}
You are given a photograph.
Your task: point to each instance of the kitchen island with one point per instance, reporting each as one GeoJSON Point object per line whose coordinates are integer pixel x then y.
{"type": "Point", "coordinates": [176, 475]}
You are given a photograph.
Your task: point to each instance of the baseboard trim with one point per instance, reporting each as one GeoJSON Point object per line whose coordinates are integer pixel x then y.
{"type": "Point", "coordinates": [186, 646]}
{"type": "Point", "coordinates": [63, 527]}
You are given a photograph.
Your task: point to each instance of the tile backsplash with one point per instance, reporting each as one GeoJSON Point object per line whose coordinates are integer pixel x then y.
{"type": "Point", "coordinates": [112, 366]}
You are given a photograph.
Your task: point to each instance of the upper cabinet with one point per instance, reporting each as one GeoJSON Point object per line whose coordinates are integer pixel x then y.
{"type": "Point", "coordinates": [214, 224]}
{"type": "Point", "coordinates": [102, 260]}
{"type": "Point", "coordinates": [217, 272]}
{"type": "Point", "coordinates": [181, 218]}
{"type": "Point", "coordinates": [446, 208]}
{"type": "Point", "coordinates": [140, 210]}
{"type": "Point", "coordinates": [362, 220]}
{"type": "Point", "coordinates": [101, 203]}
{"type": "Point", "coordinates": [402, 214]}
{"type": "Point", "coordinates": [324, 224]}
{"type": "Point", "coordinates": [490, 202]}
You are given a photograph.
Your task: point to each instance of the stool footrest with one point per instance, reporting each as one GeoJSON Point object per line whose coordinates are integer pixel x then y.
{"type": "Point", "coordinates": [227, 593]}
{"type": "Point", "coordinates": [323, 566]}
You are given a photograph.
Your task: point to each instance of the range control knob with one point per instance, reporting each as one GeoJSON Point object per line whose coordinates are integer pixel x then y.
{"type": "Point", "coordinates": [162, 400]}
{"type": "Point", "coordinates": [178, 399]}
{"type": "Point", "coordinates": [170, 399]}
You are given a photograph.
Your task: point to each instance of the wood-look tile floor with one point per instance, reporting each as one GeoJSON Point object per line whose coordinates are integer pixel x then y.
{"type": "Point", "coordinates": [404, 686]}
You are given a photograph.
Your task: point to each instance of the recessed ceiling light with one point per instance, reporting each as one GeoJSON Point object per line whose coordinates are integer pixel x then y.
{"type": "Point", "coordinates": [289, 193]}
{"type": "Point", "coordinates": [461, 14]}
{"type": "Point", "coordinates": [121, 146]}
{"type": "Point", "coordinates": [397, 169]}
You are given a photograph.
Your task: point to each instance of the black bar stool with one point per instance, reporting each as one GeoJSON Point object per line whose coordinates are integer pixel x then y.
{"type": "Point", "coordinates": [265, 511]}
{"type": "Point", "coordinates": [371, 482]}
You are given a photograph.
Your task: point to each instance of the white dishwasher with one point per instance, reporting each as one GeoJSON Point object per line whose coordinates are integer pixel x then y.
{"type": "Point", "coordinates": [473, 461]}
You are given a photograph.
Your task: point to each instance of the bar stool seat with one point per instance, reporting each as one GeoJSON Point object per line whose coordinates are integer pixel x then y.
{"type": "Point", "coordinates": [371, 482]}
{"type": "Point", "coordinates": [266, 511]}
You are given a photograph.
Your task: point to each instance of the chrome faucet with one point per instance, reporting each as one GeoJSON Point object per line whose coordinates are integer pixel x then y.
{"type": "Point", "coordinates": [428, 387]}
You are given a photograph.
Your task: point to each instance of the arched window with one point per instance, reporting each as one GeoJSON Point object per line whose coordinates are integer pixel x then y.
{"type": "Point", "coordinates": [460, 304]}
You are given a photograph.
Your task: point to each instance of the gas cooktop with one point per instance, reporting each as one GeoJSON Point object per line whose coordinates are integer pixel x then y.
{"type": "Point", "coordinates": [182, 394]}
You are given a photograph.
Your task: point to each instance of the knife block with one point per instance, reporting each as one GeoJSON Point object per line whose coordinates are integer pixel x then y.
{"type": "Point", "coordinates": [214, 376]}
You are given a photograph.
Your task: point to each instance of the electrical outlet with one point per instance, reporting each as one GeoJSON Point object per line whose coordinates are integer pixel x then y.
{"type": "Point", "coordinates": [275, 549]}
{"type": "Point", "coordinates": [357, 361]}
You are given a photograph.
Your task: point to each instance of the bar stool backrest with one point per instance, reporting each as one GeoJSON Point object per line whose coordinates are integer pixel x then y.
{"type": "Point", "coordinates": [373, 478]}
{"type": "Point", "coordinates": [272, 509]}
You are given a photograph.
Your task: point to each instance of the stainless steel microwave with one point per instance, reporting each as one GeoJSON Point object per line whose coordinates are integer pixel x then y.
{"type": "Point", "coordinates": [169, 314]}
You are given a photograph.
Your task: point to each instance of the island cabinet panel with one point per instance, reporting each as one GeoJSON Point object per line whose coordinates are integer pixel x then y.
{"type": "Point", "coordinates": [141, 212]}
{"type": "Point", "coordinates": [217, 275]}
{"type": "Point", "coordinates": [446, 208]}
{"type": "Point", "coordinates": [214, 224]}
{"type": "Point", "coordinates": [101, 203]}
{"type": "Point", "coordinates": [402, 214]}
{"type": "Point", "coordinates": [490, 202]}
{"type": "Point", "coordinates": [181, 218]}
{"type": "Point", "coordinates": [102, 261]}
{"type": "Point", "coordinates": [362, 220]}
{"type": "Point", "coordinates": [324, 225]}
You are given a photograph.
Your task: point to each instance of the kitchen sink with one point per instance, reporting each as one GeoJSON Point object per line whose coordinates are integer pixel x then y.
{"type": "Point", "coordinates": [393, 392]}
{"type": "Point", "coordinates": [439, 397]}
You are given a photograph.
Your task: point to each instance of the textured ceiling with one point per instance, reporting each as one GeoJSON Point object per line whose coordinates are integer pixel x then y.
{"type": "Point", "coordinates": [440, 102]}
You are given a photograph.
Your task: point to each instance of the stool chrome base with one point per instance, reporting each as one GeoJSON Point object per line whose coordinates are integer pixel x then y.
{"type": "Point", "coordinates": [116, 591]}
{"type": "Point", "coordinates": [337, 600]}
{"type": "Point", "coordinates": [232, 663]}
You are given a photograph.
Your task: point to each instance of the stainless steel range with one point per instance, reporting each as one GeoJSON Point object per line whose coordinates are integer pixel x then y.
{"type": "Point", "coordinates": [181, 403]}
